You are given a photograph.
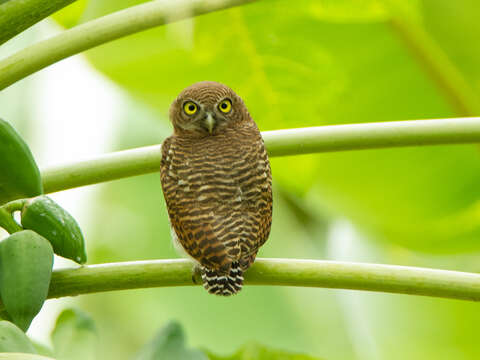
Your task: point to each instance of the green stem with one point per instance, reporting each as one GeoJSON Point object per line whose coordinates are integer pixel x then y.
{"type": "Point", "coordinates": [283, 272]}
{"type": "Point", "coordinates": [104, 29]}
{"type": "Point", "coordinates": [444, 73]}
{"type": "Point", "coordinates": [279, 143]}
{"type": "Point", "coordinates": [8, 223]}
{"type": "Point", "coordinates": [15, 205]}
{"type": "Point", "coordinates": [18, 15]}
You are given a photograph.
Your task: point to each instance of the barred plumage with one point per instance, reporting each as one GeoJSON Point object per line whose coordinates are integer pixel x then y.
{"type": "Point", "coordinates": [216, 180]}
{"type": "Point", "coordinates": [223, 284]}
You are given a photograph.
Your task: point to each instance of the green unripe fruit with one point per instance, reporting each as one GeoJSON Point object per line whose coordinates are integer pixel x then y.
{"type": "Point", "coordinates": [12, 339]}
{"type": "Point", "coordinates": [47, 218]}
{"type": "Point", "coordinates": [19, 174]}
{"type": "Point", "coordinates": [26, 261]}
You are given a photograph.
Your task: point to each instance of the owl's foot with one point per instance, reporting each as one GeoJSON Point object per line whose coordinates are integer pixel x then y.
{"type": "Point", "coordinates": [197, 274]}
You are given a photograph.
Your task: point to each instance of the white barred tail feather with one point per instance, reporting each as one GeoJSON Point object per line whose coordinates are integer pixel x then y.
{"type": "Point", "coordinates": [223, 284]}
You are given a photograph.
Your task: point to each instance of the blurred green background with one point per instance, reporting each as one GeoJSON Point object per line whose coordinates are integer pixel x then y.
{"type": "Point", "coordinates": [306, 63]}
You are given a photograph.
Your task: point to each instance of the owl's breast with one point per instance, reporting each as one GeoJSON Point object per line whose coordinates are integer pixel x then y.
{"type": "Point", "coordinates": [218, 195]}
{"type": "Point", "coordinates": [219, 173]}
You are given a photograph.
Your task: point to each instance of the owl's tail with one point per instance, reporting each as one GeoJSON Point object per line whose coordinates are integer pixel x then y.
{"type": "Point", "coordinates": [223, 284]}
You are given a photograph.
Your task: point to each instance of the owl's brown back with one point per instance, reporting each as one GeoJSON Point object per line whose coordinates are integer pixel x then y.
{"type": "Point", "coordinates": [218, 194]}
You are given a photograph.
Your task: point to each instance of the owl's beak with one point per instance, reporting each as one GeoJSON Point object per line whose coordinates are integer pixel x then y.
{"type": "Point", "coordinates": [210, 122]}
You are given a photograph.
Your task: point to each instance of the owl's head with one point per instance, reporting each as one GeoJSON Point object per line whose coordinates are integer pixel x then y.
{"type": "Point", "coordinates": [207, 108]}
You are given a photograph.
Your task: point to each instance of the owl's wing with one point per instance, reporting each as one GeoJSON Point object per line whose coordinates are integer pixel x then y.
{"type": "Point", "coordinates": [257, 204]}
{"type": "Point", "coordinates": [194, 223]}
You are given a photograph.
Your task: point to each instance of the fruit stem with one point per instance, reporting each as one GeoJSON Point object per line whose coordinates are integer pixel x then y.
{"type": "Point", "coordinates": [7, 222]}
{"type": "Point", "coordinates": [15, 205]}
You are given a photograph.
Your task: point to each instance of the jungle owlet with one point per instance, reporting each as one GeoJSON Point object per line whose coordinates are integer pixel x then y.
{"type": "Point", "coordinates": [217, 184]}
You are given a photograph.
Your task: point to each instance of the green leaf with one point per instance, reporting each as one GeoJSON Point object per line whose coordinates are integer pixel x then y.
{"type": "Point", "coordinates": [26, 261]}
{"type": "Point", "coordinates": [254, 351]}
{"type": "Point", "coordinates": [23, 356]}
{"type": "Point", "coordinates": [169, 343]}
{"type": "Point", "coordinates": [12, 339]}
{"type": "Point", "coordinates": [362, 10]}
{"type": "Point", "coordinates": [74, 336]}
{"type": "Point", "coordinates": [18, 15]}
{"type": "Point", "coordinates": [70, 15]}
{"type": "Point", "coordinates": [19, 175]}
{"type": "Point", "coordinates": [44, 216]}
{"type": "Point", "coordinates": [349, 10]}
{"type": "Point", "coordinates": [459, 44]}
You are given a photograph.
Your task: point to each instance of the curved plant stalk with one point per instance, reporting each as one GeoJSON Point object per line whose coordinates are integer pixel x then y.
{"type": "Point", "coordinates": [18, 15]}
{"type": "Point", "coordinates": [458, 92]}
{"type": "Point", "coordinates": [279, 143]}
{"type": "Point", "coordinates": [283, 272]}
{"type": "Point", "coordinates": [99, 31]}
{"type": "Point", "coordinates": [7, 222]}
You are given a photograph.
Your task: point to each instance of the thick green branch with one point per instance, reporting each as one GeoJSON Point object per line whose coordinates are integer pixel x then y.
{"type": "Point", "coordinates": [104, 29]}
{"type": "Point", "coordinates": [279, 143]}
{"type": "Point", "coordinates": [18, 15]}
{"type": "Point", "coordinates": [283, 272]}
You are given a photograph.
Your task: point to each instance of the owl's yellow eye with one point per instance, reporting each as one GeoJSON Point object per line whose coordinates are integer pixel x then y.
{"type": "Point", "coordinates": [190, 108]}
{"type": "Point", "coordinates": [225, 106]}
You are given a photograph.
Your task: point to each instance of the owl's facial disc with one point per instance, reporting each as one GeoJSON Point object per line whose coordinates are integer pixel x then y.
{"type": "Point", "coordinates": [199, 118]}
{"type": "Point", "coordinates": [207, 109]}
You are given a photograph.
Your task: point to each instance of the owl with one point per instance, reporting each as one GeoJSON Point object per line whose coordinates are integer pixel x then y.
{"type": "Point", "coordinates": [217, 184]}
